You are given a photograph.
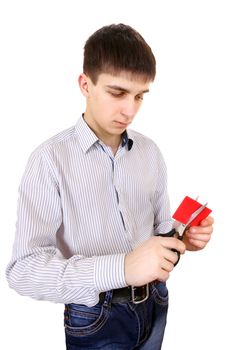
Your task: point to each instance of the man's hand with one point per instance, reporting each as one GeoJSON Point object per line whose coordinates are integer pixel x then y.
{"type": "Point", "coordinates": [153, 260]}
{"type": "Point", "coordinates": [197, 237]}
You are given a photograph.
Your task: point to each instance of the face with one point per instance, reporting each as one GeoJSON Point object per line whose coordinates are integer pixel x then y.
{"type": "Point", "coordinates": [112, 103]}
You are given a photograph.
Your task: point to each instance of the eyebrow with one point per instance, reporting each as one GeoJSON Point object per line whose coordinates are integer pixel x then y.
{"type": "Point", "coordinates": [120, 88]}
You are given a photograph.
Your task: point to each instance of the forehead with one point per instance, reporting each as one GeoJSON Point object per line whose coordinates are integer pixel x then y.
{"type": "Point", "coordinates": [125, 81]}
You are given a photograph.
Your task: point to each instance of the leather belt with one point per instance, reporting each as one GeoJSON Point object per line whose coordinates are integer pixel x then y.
{"type": "Point", "coordinates": [136, 295]}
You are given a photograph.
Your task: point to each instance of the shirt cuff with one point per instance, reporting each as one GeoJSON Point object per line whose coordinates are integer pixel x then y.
{"type": "Point", "coordinates": [109, 272]}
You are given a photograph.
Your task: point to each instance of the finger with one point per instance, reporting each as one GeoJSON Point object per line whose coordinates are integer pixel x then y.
{"type": "Point", "coordinates": [163, 275]}
{"type": "Point", "coordinates": [173, 243]}
{"type": "Point", "coordinates": [199, 237]}
{"type": "Point", "coordinates": [171, 256]}
{"type": "Point", "coordinates": [167, 265]}
{"type": "Point", "coordinates": [197, 243]}
{"type": "Point", "coordinates": [207, 221]}
{"type": "Point", "coordinates": [200, 230]}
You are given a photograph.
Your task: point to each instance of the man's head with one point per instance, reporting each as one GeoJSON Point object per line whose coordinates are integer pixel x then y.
{"type": "Point", "coordinates": [118, 69]}
{"type": "Point", "coordinates": [116, 48]}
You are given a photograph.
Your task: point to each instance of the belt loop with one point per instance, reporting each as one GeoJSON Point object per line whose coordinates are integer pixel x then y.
{"type": "Point", "coordinates": [108, 298]}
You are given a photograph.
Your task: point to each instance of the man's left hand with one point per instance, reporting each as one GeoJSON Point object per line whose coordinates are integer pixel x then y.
{"type": "Point", "coordinates": [197, 237]}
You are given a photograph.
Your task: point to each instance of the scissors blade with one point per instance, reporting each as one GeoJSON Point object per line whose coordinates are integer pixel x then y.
{"type": "Point", "coordinates": [180, 228]}
{"type": "Point", "coordinates": [195, 214]}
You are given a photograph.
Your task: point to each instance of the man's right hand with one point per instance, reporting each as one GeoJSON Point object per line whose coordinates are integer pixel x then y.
{"type": "Point", "coordinates": [153, 260]}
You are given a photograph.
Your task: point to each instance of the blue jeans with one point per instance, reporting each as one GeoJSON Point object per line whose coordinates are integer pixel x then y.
{"type": "Point", "coordinates": [119, 326]}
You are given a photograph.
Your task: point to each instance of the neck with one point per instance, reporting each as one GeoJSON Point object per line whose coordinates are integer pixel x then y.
{"type": "Point", "coordinates": [108, 139]}
{"type": "Point", "coordinates": [112, 143]}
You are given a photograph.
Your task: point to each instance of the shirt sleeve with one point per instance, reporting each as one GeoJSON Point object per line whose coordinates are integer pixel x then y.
{"type": "Point", "coordinates": [161, 203]}
{"type": "Point", "coordinates": [37, 268]}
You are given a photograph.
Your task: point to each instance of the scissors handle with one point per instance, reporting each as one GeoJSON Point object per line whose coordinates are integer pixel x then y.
{"type": "Point", "coordinates": [172, 233]}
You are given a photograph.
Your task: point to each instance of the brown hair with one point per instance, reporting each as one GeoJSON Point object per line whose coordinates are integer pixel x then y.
{"type": "Point", "coordinates": [116, 48]}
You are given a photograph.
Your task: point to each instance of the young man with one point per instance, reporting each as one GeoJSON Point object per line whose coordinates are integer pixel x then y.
{"type": "Point", "coordinates": [93, 200]}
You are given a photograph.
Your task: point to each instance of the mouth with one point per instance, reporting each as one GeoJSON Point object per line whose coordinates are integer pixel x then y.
{"type": "Point", "coordinates": [120, 124]}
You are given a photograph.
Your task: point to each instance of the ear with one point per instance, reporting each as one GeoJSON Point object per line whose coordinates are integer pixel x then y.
{"type": "Point", "coordinates": [83, 84]}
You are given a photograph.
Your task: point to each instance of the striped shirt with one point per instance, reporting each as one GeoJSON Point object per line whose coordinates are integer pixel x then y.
{"type": "Point", "coordinates": [81, 209]}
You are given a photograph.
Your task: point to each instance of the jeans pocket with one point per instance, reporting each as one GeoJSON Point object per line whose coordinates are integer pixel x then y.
{"type": "Point", "coordinates": [81, 320]}
{"type": "Point", "coordinates": [160, 293]}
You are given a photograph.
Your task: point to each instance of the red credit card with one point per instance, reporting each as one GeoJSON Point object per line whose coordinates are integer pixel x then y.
{"type": "Point", "coordinates": [187, 207]}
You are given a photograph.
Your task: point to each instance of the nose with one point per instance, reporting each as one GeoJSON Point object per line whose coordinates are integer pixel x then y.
{"type": "Point", "coordinates": [129, 108]}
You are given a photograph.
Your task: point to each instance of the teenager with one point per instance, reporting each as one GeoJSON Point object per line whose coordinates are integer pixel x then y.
{"type": "Point", "coordinates": [91, 203]}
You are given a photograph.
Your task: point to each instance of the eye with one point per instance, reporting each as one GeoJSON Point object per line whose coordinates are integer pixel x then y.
{"type": "Point", "coordinates": [117, 94]}
{"type": "Point", "coordinates": [139, 97]}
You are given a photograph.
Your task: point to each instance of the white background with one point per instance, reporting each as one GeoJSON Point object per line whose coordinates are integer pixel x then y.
{"type": "Point", "coordinates": [188, 114]}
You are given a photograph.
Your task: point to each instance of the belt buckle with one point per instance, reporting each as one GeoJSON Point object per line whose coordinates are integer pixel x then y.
{"type": "Point", "coordinates": [135, 297]}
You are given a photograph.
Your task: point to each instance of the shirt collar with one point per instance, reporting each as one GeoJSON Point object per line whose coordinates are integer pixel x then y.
{"type": "Point", "coordinates": [87, 138]}
{"type": "Point", "coordinates": [126, 140]}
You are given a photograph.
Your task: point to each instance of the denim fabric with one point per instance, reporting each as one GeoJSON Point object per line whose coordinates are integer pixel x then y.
{"type": "Point", "coordinates": [121, 326]}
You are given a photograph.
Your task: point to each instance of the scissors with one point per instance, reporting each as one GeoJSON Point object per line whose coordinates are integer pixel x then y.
{"type": "Point", "coordinates": [179, 228]}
